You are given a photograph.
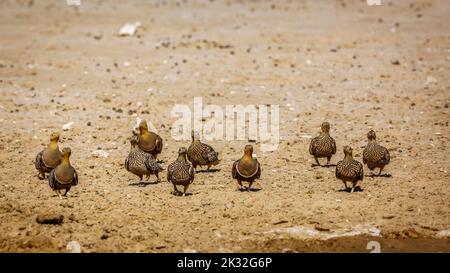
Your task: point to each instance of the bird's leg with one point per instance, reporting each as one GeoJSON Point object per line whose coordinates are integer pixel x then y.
{"type": "Point", "coordinates": [240, 185]}
{"type": "Point", "coordinates": [185, 189]}
{"type": "Point", "coordinates": [328, 160]}
{"type": "Point", "coordinates": [41, 175]}
{"type": "Point", "coordinates": [59, 194]}
{"type": "Point", "coordinates": [345, 183]}
{"type": "Point", "coordinates": [381, 168]}
{"type": "Point", "coordinates": [249, 186]}
{"type": "Point", "coordinates": [209, 166]}
{"type": "Point", "coordinates": [175, 190]}
{"type": "Point", "coordinates": [353, 187]}
{"type": "Point", "coordinates": [65, 193]}
{"type": "Point", "coordinates": [157, 178]}
{"type": "Point", "coordinates": [317, 160]}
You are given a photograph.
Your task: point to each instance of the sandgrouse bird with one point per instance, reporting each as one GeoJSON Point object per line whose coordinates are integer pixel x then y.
{"type": "Point", "coordinates": [201, 154]}
{"type": "Point", "coordinates": [64, 176]}
{"type": "Point", "coordinates": [141, 163]}
{"type": "Point", "coordinates": [180, 172]}
{"type": "Point", "coordinates": [148, 142]}
{"type": "Point", "coordinates": [374, 155]}
{"type": "Point", "coordinates": [323, 145]}
{"type": "Point", "coordinates": [247, 168]}
{"type": "Point", "coordinates": [349, 170]}
{"type": "Point", "coordinates": [47, 159]}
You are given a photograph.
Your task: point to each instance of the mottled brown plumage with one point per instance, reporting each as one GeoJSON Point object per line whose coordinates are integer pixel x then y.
{"type": "Point", "coordinates": [180, 172]}
{"type": "Point", "coordinates": [201, 154]}
{"type": "Point", "coordinates": [349, 170]}
{"type": "Point", "coordinates": [375, 155]}
{"type": "Point", "coordinates": [246, 168]}
{"type": "Point", "coordinates": [323, 145]}
{"type": "Point", "coordinates": [64, 176]}
{"type": "Point", "coordinates": [141, 163]}
{"type": "Point", "coordinates": [47, 159]}
{"type": "Point", "coordinates": [149, 142]}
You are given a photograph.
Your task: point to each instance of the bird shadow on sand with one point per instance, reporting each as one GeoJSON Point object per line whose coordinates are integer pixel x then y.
{"type": "Point", "coordinates": [208, 171]}
{"type": "Point", "coordinates": [249, 190]}
{"type": "Point", "coordinates": [143, 183]}
{"type": "Point", "coordinates": [378, 175]}
{"type": "Point", "coordinates": [180, 194]}
{"type": "Point", "coordinates": [357, 189]}
{"type": "Point", "coordinates": [323, 166]}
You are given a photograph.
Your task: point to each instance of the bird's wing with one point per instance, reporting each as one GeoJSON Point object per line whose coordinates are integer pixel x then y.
{"type": "Point", "coordinates": [169, 173]}
{"type": "Point", "coordinates": [361, 171]}
{"type": "Point", "coordinates": [38, 161]}
{"type": "Point", "coordinates": [258, 174]}
{"type": "Point", "coordinates": [51, 179]}
{"type": "Point", "coordinates": [127, 164]}
{"type": "Point", "coordinates": [191, 172]}
{"type": "Point", "coordinates": [365, 155]}
{"type": "Point", "coordinates": [337, 170]}
{"type": "Point", "coordinates": [159, 144]}
{"type": "Point", "coordinates": [233, 170]}
{"type": "Point", "coordinates": [151, 163]}
{"type": "Point", "coordinates": [75, 177]}
{"type": "Point", "coordinates": [208, 153]}
{"type": "Point", "coordinates": [387, 156]}
{"type": "Point", "coordinates": [333, 143]}
{"type": "Point", "coordinates": [312, 146]}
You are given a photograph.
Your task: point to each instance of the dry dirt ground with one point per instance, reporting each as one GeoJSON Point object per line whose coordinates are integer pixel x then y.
{"type": "Point", "coordinates": [357, 66]}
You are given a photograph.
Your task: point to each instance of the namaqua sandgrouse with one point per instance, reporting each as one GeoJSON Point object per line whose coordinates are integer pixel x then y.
{"type": "Point", "coordinates": [246, 168]}
{"type": "Point", "coordinates": [323, 145]}
{"type": "Point", "coordinates": [149, 142]}
{"type": "Point", "coordinates": [180, 172]}
{"type": "Point", "coordinates": [47, 159]}
{"type": "Point", "coordinates": [375, 155]}
{"type": "Point", "coordinates": [349, 170]}
{"type": "Point", "coordinates": [64, 176]}
{"type": "Point", "coordinates": [201, 154]}
{"type": "Point", "coordinates": [141, 163]}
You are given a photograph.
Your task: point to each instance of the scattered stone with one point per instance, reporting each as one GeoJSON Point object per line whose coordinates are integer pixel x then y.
{"type": "Point", "coordinates": [50, 219]}
{"type": "Point", "coordinates": [129, 29]}
{"type": "Point", "coordinates": [99, 153]}
{"type": "Point", "coordinates": [73, 247]}
{"type": "Point", "coordinates": [67, 126]}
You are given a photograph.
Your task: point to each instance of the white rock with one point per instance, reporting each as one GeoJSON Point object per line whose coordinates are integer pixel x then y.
{"type": "Point", "coordinates": [431, 80]}
{"type": "Point", "coordinates": [100, 153]}
{"type": "Point", "coordinates": [73, 247]}
{"type": "Point", "coordinates": [67, 126]}
{"type": "Point", "coordinates": [444, 233]}
{"type": "Point", "coordinates": [129, 29]}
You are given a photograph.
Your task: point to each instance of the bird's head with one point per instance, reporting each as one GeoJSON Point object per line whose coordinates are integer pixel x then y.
{"type": "Point", "coordinates": [248, 150]}
{"type": "Point", "coordinates": [371, 135]}
{"type": "Point", "coordinates": [195, 135]}
{"type": "Point", "coordinates": [348, 151]}
{"type": "Point", "coordinates": [182, 151]}
{"type": "Point", "coordinates": [54, 137]}
{"type": "Point", "coordinates": [143, 127]}
{"type": "Point", "coordinates": [325, 127]}
{"type": "Point", "coordinates": [66, 152]}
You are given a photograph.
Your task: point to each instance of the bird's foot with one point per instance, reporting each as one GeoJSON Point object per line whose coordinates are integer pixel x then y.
{"type": "Point", "coordinates": [176, 193]}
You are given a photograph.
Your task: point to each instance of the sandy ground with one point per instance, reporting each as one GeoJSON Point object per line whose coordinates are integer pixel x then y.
{"type": "Point", "coordinates": [357, 66]}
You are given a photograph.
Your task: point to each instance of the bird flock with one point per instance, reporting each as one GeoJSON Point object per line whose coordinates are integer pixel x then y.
{"type": "Point", "coordinates": [146, 146]}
